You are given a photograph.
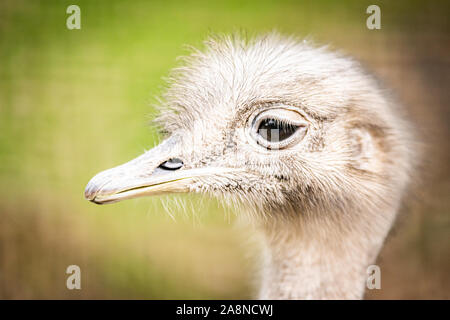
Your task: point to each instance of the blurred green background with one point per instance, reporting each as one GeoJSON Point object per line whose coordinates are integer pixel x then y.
{"type": "Point", "coordinates": [75, 102]}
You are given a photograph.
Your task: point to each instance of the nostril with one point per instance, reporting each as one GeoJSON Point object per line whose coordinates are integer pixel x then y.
{"type": "Point", "coordinates": [171, 164]}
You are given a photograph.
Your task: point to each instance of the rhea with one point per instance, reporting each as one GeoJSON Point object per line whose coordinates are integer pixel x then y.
{"type": "Point", "coordinates": [303, 141]}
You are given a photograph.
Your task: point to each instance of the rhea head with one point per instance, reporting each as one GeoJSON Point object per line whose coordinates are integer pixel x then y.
{"type": "Point", "coordinates": [272, 123]}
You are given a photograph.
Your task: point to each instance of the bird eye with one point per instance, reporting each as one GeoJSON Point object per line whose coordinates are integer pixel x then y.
{"type": "Point", "coordinates": [274, 130]}
{"type": "Point", "coordinates": [278, 128]}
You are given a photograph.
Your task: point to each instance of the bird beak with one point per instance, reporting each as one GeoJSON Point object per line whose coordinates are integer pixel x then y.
{"type": "Point", "coordinates": [144, 176]}
{"type": "Point", "coordinates": [138, 177]}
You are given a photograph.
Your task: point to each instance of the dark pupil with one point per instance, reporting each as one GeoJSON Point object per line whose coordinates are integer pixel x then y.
{"type": "Point", "coordinates": [275, 131]}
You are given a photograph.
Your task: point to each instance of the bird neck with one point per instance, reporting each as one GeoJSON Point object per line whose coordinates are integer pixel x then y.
{"type": "Point", "coordinates": [319, 259]}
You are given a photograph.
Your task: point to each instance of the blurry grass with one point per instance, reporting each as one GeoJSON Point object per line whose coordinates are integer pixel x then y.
{"type": "Point", "coordinates": [141, 257]}
{"type": "Point", "coordinates": [73, 103]}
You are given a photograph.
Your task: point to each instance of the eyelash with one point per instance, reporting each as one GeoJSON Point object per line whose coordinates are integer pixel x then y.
{"type": "Point", "coordinates": [285, 122]}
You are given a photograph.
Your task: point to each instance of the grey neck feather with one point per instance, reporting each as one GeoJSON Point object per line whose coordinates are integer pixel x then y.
{"type": "Point", "coordinates": [319, 259]}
